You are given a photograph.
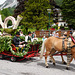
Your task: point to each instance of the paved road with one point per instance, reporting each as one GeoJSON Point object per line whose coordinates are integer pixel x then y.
{"type": "Point", "coordinates": [34, 66]}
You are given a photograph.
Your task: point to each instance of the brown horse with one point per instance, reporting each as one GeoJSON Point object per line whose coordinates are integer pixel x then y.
{"type": "Point", "coordinates": [53, 44]}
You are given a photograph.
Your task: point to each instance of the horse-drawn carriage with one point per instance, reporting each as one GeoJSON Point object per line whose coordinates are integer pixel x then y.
{"type": "Point", "coordinates": [13, 53]}
{"type": "Point", "coordinates": [52, 45]}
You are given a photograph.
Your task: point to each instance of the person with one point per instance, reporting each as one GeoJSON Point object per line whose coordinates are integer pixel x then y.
{"type": "Point", "coordinates": [65, 34]}
{"type": "Point", "coordinates": [53, 33]}
{"type": "Point", "coordinates": [17, 41]}
{"type": "Point", "coordinates": [28, 37]}
{"type": "Point", "coordinates": [44, 38]}
{"type": "Point", "coordinates": [21, 33]}
{"type": "Point", "coordinates": [33, 35]}
{"type": "Point", "coordinates": [0, 33]}
{"type": "Point", "coordinates": [35, 38]}
{"type": "Point", "coordinates": [57, 35]}
{"type": "Point", "coordinates": [73, 34]}
{"type": "Point", "coordinates": [70, 34]}
{"type": "Point", "coordinates": [19, 30]}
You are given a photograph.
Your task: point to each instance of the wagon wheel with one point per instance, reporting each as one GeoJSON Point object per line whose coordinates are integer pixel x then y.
{"type": "Point", "coordinates": [13, 59]}
{"type": "Point", "coordinates": [1, 56]}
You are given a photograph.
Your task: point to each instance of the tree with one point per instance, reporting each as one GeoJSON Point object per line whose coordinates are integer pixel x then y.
{"type": "Point", "coordinates": [6, 12]}
{"type": "Point", "coordinates": [69, 11]}
{"type": "Point", "coordinates": [35, 14]}
{"type": "Point", "coordinates": [58, 2]}
{"type": "Point", "coordinates": [20, 8]}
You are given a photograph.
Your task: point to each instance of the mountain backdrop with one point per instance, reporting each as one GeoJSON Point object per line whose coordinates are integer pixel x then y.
{"type": "Point", "coordinates": [13, 3]}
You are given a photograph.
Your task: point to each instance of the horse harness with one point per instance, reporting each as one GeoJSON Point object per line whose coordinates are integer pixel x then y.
{"type": "Point", "coordinates": [68, 50]}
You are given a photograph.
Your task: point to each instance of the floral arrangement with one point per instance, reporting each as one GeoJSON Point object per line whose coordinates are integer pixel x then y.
{"type": "Point", "coordinates": [5, 45]}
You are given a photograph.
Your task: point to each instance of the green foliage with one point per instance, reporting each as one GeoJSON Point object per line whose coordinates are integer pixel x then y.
{"type": "Point", "coordinates": [10, 31]}
{"type": "Point", "coordinates": [58, 2]}
{"type": "Point", "coordinates": [6, 12]}
{"type": "Point", "coordinates": [22, 38]}
{"type": "Point", "coordinates": [69, 11]}
{"type": "Point", "coordinates": [4, 43]}
{"type": "Point", "coordinates": [11, 10]}
{"type": "Point", "coordinates": [36, 15]}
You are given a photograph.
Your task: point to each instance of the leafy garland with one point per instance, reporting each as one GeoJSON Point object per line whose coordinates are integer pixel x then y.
{"type": "Point", "coordinates": [20, 54]}
{"type": "Point", "coordinates": [5, 45]}
{"type": "Point", "coordinates": [36, 42]}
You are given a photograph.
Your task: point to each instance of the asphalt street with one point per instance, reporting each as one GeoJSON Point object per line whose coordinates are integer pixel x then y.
{"type": "Point", "coordinates": [34, 66]}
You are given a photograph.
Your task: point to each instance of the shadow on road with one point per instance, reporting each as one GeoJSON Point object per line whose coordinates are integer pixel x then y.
{"type": "Point", "coordinates": [58, 65]}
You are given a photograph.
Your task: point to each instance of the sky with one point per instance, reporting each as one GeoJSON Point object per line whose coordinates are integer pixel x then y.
{"type": "Point", "coordinates": [2, 1]}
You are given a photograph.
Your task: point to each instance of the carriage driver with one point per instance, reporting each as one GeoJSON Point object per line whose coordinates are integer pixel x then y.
{"type": "Point", "coordinates": [17, 41]}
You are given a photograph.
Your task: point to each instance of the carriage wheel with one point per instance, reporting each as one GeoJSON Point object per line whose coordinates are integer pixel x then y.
{"type": "Point", "coordinates": [13, 59]}
{"type": "Point", "coordinates": [1, 56]}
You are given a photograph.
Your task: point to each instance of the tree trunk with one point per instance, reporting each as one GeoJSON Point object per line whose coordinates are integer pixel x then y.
{"type": "Point", "coordinates": [26, 30]}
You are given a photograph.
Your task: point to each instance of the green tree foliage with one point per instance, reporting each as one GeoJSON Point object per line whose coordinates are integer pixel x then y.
{"type": "Point", "coordinates": [11, 10]}
{"type": "Point", "coordinates": [58, 2]}
{"type": "Point", "coordinates": [69, 11]}
{"type": "Point", "coordinates": [35, 14]}
{"type": "Point", "coordinates": [7, 12]}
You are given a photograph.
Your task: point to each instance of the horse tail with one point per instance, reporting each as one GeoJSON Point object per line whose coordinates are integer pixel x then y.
{"type": "Point", "coordinates": [42, 50]}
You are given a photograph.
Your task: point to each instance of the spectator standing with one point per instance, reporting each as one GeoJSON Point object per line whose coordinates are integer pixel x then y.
{"type": "Point", "coordinates": [44, 38]}
{"type": "Point", "coordinates": [21, 34]}
{"type": "Point", "coordinates": [35, 38]}
{"type": "Point", "coordinates": [57, 35]}
{"type": "Point", "coordinates": [28, 37]}
{"type": "Point", "coordinates": [33, 34]}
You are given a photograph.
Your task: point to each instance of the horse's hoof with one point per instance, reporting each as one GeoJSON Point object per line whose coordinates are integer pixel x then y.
{"type": "Point", "coordinates": [54, 64]}
{"type": "Point", "coordinates": [64, 63]}
{"type": "Point", "coordinates": [67, 68]}
{"type": "Point", "coordinates": [46, 66]}
{"type": "Point", "coordinates": [50, 61]}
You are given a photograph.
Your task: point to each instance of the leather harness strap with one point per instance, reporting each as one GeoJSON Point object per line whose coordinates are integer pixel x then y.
{"type": "Point", "coordinates": [63, 48]}
{"type": "Point", "coordinates": [63, 45]}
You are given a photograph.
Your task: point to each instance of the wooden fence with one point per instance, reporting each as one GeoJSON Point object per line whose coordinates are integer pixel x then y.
{"type": "Point", "coordinates": [46, 32]}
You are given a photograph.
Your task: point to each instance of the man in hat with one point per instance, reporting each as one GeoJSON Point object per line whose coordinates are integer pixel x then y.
{"type": "Point", "coordinates": [28, 37]}
{"type": "Point", "coordinates": [17, 41]}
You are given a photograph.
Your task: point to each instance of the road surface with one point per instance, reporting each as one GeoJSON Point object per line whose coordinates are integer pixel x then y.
{"type": "Point", "coordinates": [34, 66]}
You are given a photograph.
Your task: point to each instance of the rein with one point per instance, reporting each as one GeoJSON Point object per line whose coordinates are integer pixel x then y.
{"type": "Point", "coordinates": [73, 39]}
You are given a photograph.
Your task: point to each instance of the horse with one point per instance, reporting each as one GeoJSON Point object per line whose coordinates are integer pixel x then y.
{"type": "Point", "coordinates": [53, 44]}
